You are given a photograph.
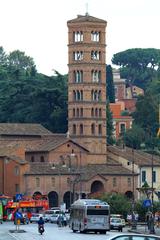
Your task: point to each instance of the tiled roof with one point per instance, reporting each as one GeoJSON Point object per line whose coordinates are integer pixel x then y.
{"type": "Point", "coordinates": [43, 144]}
{"type": "Point", "coordinates": [87, 172]}
{"type": "Point", "coordinates": [8, 151]}
{"type": "Point", "coordinates": [86, 18]}
{"type": "Point", "coordinates": [140, 158]}
{"type": "Point", "coordinates": [22, 129]}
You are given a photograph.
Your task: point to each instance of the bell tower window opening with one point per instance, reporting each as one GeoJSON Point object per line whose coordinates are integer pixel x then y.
{"type": "Point", "coordinates": [95, 36]}
{"type": "Point", "coordinates": [77, 112]}
{"type": "Point", "coordinates": [78, 55]}
{"type": "Point", "coordinates": [78, 76]}
{"type": "Point", "coordinates": [74, 129]}
{"type": "Point", "coordinates": [81, 112]}
{"type": "Point", "coordinates": [96, 112]}
{"type": "Point", "coordinates": [95, 55]}
{"type": "Point", "coordinates": [92, 112]}
{"type": "Point", "coordinates": [93, 129]}
{"type": "Point", "coordinates": [96, 95]}
{"type": "Point", "coordinates": [81, 129]}
{"type": "Point", "coordinates": [96, 76]}
{"type": "Point", "coordinates": [74, 112]}
{"type": "Point", "coordinates": [78, 36]}
{"type": "Point", "coordinates": [100, 129]}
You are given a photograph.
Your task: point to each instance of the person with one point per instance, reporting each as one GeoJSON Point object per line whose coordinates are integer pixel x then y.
{"type": "Point", "coordinates": [60, 220]}
{"type": "Point", "coordinates": [40, 223]}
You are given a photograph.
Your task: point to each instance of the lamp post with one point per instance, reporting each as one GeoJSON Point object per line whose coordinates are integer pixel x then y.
{"type": "Point", "coordinates": [152, 230]}
{"type": "Point", "coordinates": [134, 224]}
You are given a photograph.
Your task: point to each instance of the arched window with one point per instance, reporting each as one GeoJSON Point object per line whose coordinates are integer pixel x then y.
{"type": "Point", "coordinates": [92, 128]}
{"type": "Point", "coordinates": [78, 36]}
{"type": "Point", "coordinates": [92, 112]}
{"type": "Point", "coordinates": [96, 112]}
{"type": "Point", "coordinates": [100, 112]}
{"type": "Point", "coordinates": [96, 76]}
{"type": "Point", "coordinates": [78, 76]}
{"type": "Point", "coordinates": [100, 129]}
{"type": "Point", "coordinates": [81, 129]}
{"type": "Point", "coordinates": [95, 36]}
{"type": "Point", "coordinates": [16, 170]}
{"type": "Point", "coordinates": [81, 95]}
{"type": "Point", "coordinates": [95, 55]}
{"type": "Point", "coordinates": [42, 159]}
{"type": "Point", "coordinates": [53, 181]}
{"type": "Point", "coordinates": [81, 112]}
{"type": "Point", "coordinates": [74, 112]}
{"type": "Point", "coordinates": [77, 112]}
{"type": "Point", "coordinates": [74, 95]}
{"type": "Point", "coordinates": [74, 128]}
{"type": "Point", "coordinates": [78, 55]}
{"type": "Point", "coordinates": [37, 182]}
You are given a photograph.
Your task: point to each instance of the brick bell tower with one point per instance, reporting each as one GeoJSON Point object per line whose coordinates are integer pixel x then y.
{"type": "Point", "coordinates": [87, 82]}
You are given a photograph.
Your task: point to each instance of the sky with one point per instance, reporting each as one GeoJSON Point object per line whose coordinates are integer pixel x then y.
{"type": "Point", "coordinates": [39, 27]}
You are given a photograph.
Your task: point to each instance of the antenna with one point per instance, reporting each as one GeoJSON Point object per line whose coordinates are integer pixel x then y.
{"type": "Point", "coordinates": [87, 9]}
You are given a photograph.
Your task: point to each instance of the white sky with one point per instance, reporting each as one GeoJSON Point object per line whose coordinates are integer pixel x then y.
{"type": "Point", "coordinates": [39, 27]}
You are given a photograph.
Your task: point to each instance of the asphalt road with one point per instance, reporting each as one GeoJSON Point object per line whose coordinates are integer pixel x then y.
{"type": "Point", "coordinates": [52, 232]}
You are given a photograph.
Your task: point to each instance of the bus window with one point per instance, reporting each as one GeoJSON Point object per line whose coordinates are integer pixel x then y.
{"type": "Point", "coordinates": [97, 212]}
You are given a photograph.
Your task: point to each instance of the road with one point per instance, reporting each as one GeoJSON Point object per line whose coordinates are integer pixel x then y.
{"type": "Point", "coordinates": [52, 232]}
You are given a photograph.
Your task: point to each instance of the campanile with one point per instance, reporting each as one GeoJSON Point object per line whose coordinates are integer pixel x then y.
{"type": "Point", "coordinates": [87, 82]}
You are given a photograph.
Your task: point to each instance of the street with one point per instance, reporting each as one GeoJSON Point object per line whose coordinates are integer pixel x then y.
{"type": "Point", "coordinates": [52, 232]}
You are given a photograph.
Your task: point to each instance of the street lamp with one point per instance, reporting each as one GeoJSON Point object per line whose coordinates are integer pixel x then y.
{"type": "Point", "coordinates": [152, 230]}
{"type": "Point", "coordinates": [134, 224]}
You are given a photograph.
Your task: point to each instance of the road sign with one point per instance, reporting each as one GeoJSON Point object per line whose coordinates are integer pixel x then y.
{"type": "Point", "coordinates": [147, 203]}
{"type": "Point", "coordinates": [18, 197]}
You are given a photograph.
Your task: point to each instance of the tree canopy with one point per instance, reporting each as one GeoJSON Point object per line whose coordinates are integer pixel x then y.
{"type": "Point", "coordinates": [138, 65]}
{"type": "Point", "coordinates": [30, 97]}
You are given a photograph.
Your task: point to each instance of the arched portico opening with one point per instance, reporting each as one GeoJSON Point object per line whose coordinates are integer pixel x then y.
{"type": "Point", "coordinates": [53, 199]}
{"type": "Point", "coordinates": [37, 195]}
{"type": "Point", "coordinates": [97, 186]}
{"type": "Point", "coordinates": [68, 199]}
{"type": "Point", "coordinates": [129, 194]}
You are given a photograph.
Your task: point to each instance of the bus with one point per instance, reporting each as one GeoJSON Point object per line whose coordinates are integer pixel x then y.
{"type": "Point", "coordinates": [90, 215]}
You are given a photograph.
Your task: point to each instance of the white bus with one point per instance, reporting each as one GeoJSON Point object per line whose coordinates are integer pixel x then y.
{"type": "Point", "coordinates": [90, 215]}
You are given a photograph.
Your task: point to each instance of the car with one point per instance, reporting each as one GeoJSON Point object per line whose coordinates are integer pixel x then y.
{"type": "Point", "coordinates": [116, 224]}
{"type": "Point", "coordinates": [48, 213]}
{"type": "Point", "coordinates": [35, 217]}
{"type": "Point", "coordinates": [54, 218]}
{"type": "Point", "coordinates": [133, 236]}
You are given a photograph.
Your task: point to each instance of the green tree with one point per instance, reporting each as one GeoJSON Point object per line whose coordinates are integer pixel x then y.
{"type": "Point", "coordinates": [110, 84]}
{"type": "Point", "coordinates": [19, 62]}
{"type": "Point", "coordinates": [119, 203]}
{"type": "Point", "coordinates": [134, 137]}
{"type": "Point", "coordinates": [139, 66]}
{"type": "Point", "coordinates": [110, 128]}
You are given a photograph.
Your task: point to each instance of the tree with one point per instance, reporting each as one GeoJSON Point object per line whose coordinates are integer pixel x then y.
{"type": "Point", "coordinates": [138, 65]}
{"type": "Point", "coordinates": [119, 203]}
{"type": "Point", "coordinates": [110, 128]}
{"type": "Point", "coordinates": [110, 84]}
{"type": "Point", "coordinates": [134, 136]}
{"type": "Point", "coordinates": [18, 61]}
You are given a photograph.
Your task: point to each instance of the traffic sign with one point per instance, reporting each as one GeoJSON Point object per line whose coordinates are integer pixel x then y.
{"type": "Point", "coordinates": [18, 196]}
{"type": "Point", "coordinates": [147, 203]}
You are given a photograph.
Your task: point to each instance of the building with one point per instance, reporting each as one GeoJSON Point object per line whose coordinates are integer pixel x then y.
{"type": "Point", "coordinates": [121, 121]}
{"type": "Point", "coordinates": [67, 166]}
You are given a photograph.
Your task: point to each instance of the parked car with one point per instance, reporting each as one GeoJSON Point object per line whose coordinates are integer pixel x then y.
{"type": "Point", "coordinates": [133, 236]}
{"type": "Point", "coordinates": [35, 217]}
{"type": "Point", "coordinates": [54, 218]}
{"type": "Point", "coordinates": [48, 213]}
{"type": "Point", "coordinates": [116, 224]}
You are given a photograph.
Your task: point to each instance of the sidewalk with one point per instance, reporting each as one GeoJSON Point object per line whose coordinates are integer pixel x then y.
{"type": "Point", "coordinates": [143, 229]}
